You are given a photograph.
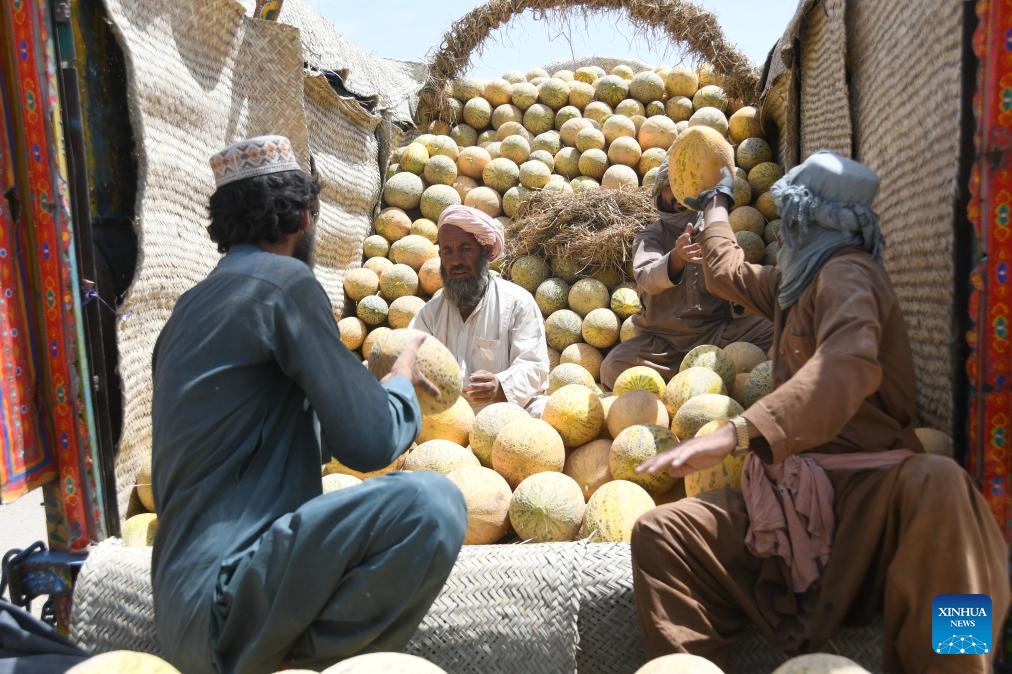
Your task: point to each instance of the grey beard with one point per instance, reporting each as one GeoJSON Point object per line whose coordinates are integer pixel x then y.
{"type": "Point", "coordinates": [466, 292]}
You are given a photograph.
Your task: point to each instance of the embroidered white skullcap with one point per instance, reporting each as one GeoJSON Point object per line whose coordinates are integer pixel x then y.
{"type": "Point", "coordinates": [255, 156]}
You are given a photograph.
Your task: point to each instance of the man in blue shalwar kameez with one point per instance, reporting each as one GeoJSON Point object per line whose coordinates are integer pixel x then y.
{"type": "Point", "coordinates": [253, 566]}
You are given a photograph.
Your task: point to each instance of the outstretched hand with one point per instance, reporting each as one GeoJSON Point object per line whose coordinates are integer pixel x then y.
{"type": "Point", "coordinates": [406, 365]}
{"type": "Point", "coordinates": [725, 186]}
{"type": "Point", "coordinates": [694, 454]}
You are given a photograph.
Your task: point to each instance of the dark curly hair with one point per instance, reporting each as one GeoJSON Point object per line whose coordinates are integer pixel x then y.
{"type": "Point", "coordinates": [261, 208]}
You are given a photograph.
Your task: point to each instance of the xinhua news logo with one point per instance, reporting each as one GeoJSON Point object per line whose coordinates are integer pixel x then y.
{"type": "Point", "coordinates": [961, 624]}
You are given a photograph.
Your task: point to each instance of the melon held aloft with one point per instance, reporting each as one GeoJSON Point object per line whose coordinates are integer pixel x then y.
{"type": "Point", "coordinates": [453, 424]}
{"type": "Point", "coordinates": [525, 447]}
{"type": "Point", "coordinates": [433, 359]}
{"type": "Point", "coordinates": [439, 456]}
{"type": "Point", "coordinates": [575, 411]}
{"type": "Point", "coordinates": [487, 424]}
{"type": "Point", "coordinates": [725, 474]}
{"type": "Point", "coordinates": [634, 445]}
{"type": "Point", "coordinates": [695, 161]}
{"type": "Point", "coordinates": [613, 510]}
{"type": "Point", "coordinates": [487, 496]}
{"type": "Point", "coordinates": [547, 507]}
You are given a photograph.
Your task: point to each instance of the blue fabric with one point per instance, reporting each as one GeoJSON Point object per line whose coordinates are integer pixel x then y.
{"type": "Point", "coordinates": [30, 646]}
{"type": "Point", "coordinates": [248, 358]}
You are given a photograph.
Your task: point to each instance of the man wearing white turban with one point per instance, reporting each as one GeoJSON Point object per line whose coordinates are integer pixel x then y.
{"type": "Point", "coordinates": [841, 514]}
{"type": "Point", "coordinates": [492, 326]}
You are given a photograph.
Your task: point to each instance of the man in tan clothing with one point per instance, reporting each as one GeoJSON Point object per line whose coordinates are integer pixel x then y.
{"type": "Point", "coordinates": [841, 515]}
{"type": "Point", "coordinates": [678, 313]}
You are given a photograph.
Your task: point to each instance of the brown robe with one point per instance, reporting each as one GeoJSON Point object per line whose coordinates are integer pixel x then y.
{"type": "Point", "coordinates": [676, 315]}
{"type": "Point", "coordinates": [844, 381]}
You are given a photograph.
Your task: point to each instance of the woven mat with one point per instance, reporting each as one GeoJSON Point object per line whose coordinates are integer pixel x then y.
{"type": "Point", "coordinates": [510, 609]}
{"type": "Point", "coordinates": [202, 76]}
{"type": "Point", "coordinates": [823, 96]}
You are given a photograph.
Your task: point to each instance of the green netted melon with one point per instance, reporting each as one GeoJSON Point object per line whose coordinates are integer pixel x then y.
{"type": "Point", "coordinates": [710, 95]}
{"type": "Point", "coordinates": [433, 359]}
{"type": "Point", "coordinates": [679, 109]}
{"type": "Point", "coordinates": [375, 245]}
{"type": "Point", "coordinates": [688, 383]}
{"type": "Point", "coordinates": [551, 295]}
{"type": "Point", "coordinates": [586, 295]}
{"type": "Point", "coordinates": [625, 302]}
{"type": "Point", "coordinates": [713, 357]}
{"type": "Point", "coordinates": [397, 281]}
{"type": "Point", "coordinates": [701, 409]}
{"type": "Point", "coordinates": [524, 95]}
{"type": "Point", "coordinates": [601, 328]}
{"type": "Point", "coordinates": [759, 384]}
{"type": "Point", "coordinates": [639, 378]}
{"type": "Point", "coordinates": [725, 474]}
{"type": "Point", "coordinates": [564, 374]}
{"type": "Point", "coordinates": [372, 309]}
{"type": "Point", "coordinates": [646, 86]}
{"type": "Point", "coordinates": [486, 426]}
{"type": "Point", "coordinates": [436, 198]}
{"type": "Point", "coordinates": [439, 456]}
{"type": "Point", "coordinates": [681, 80]}
{"type": "Point", "coordinates": [534, 174]}
{"type": "Point", "coordinates": [751, 152]}
{"type": "Point", "coordinates": [529, 272]}
{"type": "Point", "coordinates": [575, 411]}
{"type": "Point", "coordinates": [611, 89]}
{"type": "Point", "coordinates": [477, 113]}
{"type": "Point", "coordinates": [403, 190]}
{"type": "Point", "coordinates": [613, 510]}
{"type": "Point", "coordinates": [547, 507]}
{"type": "Point", "coordinates": [440, 169]}
{"type": "Point", "coordinates": [634, 445]}
{"type": "Point", "coordinates": [562, 328]}
{"type": "Point", "coordinates": [762, 176]}
{"type": "Point", "coordinates": [525, 447]}
{"type": "Point", "coordinates": [593, 163]}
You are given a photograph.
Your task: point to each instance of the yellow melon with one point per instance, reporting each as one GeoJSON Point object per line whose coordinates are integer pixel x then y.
{"type": "Point", "coordinates": [485, 199]}
{"type": "Point", "coordinates": [371, 338]}
{"type": "Point", "coordinates": [636, 407]}
{"type": "Point", "coordinates": [679, 109]}
{"type": "Point", "coordinates": [588, 466]}
{"type": "Point", "coordinates": [649, 161]}
{"type": "Point", "coordinates": [551, 295]}
{"type": "Point", "coordinates": [412, 250]}
{"type": "Point", "coordinates": [547, 507]}
{"type": "Point", "coordinates": [477, 113]}
{"type": "Point", "coordinates": [554, 93]}
{"type": "Point", "coordinates": [820, 663]}
{"type": "Point", "coordinates": [628, 330]}
{"type": "Point", "coordinates": [466, 88]}
{"type": "Point", "coordinates": [498, 91]}
{"type": "Point", "coordinates": [143, 484]}
{"type": "Point", "coordinates": [123, 662]}
{"type": "Point", "coordinates": [586, 295]}
{"type": "Point", "coordinates": [439, 456]}
{"type": "Point", "coordinates": [429, 278]}
{"type": "Point", "coordinates": [487, 496]}
{"type": "Point", "coordinates": [586, 356]}
{"type": "Point", "coordinates": [372, 309]}
{"type": "Point", "coordinates": [711, 117]}
{"type": "Point", "coordinates": [375, 245]}
{"type": "Point", "coordinates": [534, 174]}
{"type": "Point", "coordinates": [585, 74]}
{"type": "Point", "coordinates": [392, 223]}
{"type": "Point", "coordinates": [352, 330]}
{"type": "Point", "coordinates": [620, 176]}
{"type": "Point", "coordinates": [334, 481]}
{"type": "Point", "coordinates": [710, 95]}
{"type": "Point", "coordinates": [571, 128]}
{"type": "Point", "coordinates": [549, 141]}
{"type": "Point", "coordinates": [589, 138]}
{"type": "Point", "coordinates": [626, 151]}
{"type": "Point", "coordinates": [545, 157]}
{"type": "Point", "coordinates": [512, 128]}
{"type": "Point", "coordinates": [646, 86]}
{"type": "Point", "coordinates": [611, 89]}
{"type": "Point", "coordinates": [639, 378]}
{"type": "Point", "coordinates": [679, 663]}
{"type": "Point", "coordinates": [751, 152]}
{"type": "Point", "coordinates": [767, 206]}
{"type": "Point", "coordinates": [574, 411]}
{"type": "Point", "coordinates": [525, 447]}
{"type": "Point", "coordinates": [593, 163]}
{"type": "Point", "coordinates": [511, 199]}
{"type": "Point", "coordinates": [567, 162]}
{"type": "Point", "coordinates": [397, 281]}
{"type": "Point", "coordinates": [539, 118]}
{"type": "Point", "coordinates": [700, 410]}
{"type": "Point", "coordinates": [403, 190]}
{"type": "Point", "coordinates": [597, 111]}
{"type": "Point", "coordinates": [566, 268]}
{"type": "Point", "coordinates": [562, 328]}
{"type": "Point", "coordinates": [613, 510]}
{"type": "Point", "coordinates": [581, 94]}
{"type": "Point", "coordinates": [744, 123]}
{"type": "Point", "coordinates": [696, 158]}
{"type": "Point", "coordinates": [630, 108]}
{"type": "Point", "coordinates": [436, 198]}
{"type": "Point", "coordinates": [618, 126]}
{"type": "Point", "coordinates": [433, 359]}
{"type": "Point", "coordinates": [744, 355]}
{"type": "Point", "coordinates": [634, 445]}
{"type": "Point", "coordinates": [139, 530]}
{"type": "Point", "coordinates": [360, 282]}
{"type": "Point", "coordinates": [713, 357]}
{"type": "Point", "coordinates": [440, 169]}
{"type": "Point", "coordinates": [487, 424]}
{"type": "Point", "coordinates": [516, 148]}
{"type": "Point", "coordinates": [564, 374]}
{"type": "Point", "coordinates": [524, 95]}
{"type": "Point", "coordinates": [472, 161]}
{"type": "Point", "coordinates": [452, 424]}
{"type": "Point", "coordinates": [625, 302]}
{"type": "Point", "coordinates": [762, 176]}
{"type": "Point", "coordinates": [335, 466]}
{"type": "Point", "coordinates": [413, 157]}
{"type": "Point", "coordinates": [688, 383]}
{"type": "Point", "coordinates": [424, 227]}
{"type": "Point", "coordinates": [528, 272]}
{"type": "Point", "coordinates": [681, 80]}
{"type": "Point", "coordinates": [501, 174]}
{"type": "Point", "coordinates": [725, 474]}
{"type": "Point", "coordinates": [464, 135]}
{"type": "Point", "coordinates": [657, 132]}
{"type": "Point", "coordinates": [600, 328]}
{"type": "Point", "coordinates": [935, 441]}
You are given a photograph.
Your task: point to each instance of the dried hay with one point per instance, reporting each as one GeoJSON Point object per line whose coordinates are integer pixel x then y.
{"type": "Point", "coordinates": [696, 29]}
{"type": "Point", "coordinates": [593, 229]}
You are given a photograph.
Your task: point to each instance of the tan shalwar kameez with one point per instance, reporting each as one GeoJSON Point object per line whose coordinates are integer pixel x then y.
{"type": "Point", "coordinates": [844, 382]}
{"type": "Point", "coordinates": [676, 316]}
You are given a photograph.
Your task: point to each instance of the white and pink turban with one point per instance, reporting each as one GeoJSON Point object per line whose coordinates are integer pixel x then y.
{"type": "Point", "coordinates": [486, 229]}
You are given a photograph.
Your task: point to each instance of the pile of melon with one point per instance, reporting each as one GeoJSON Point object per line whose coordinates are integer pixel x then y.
{"type": "Point", "coordinates": [501, 139]}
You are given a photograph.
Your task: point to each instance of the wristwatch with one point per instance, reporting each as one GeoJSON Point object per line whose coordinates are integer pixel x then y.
{"type": "Point", "coordinates": [741, 430]}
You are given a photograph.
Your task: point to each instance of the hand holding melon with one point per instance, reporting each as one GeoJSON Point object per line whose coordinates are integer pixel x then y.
{"type": "Point", "coordinates": [424, 360]}
{"type": "Point", "coordinates": [700, 164]}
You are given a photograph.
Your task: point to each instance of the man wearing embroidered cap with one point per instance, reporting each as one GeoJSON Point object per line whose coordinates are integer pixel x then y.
{"type": "Point", "coordinates": [253, 565]}
{"type": "Point", "coordinates": [492, 326]}
{"type": "Point", "coordinates": [841, 514]}
{"type": "Point", "coordinates": [678, 313]}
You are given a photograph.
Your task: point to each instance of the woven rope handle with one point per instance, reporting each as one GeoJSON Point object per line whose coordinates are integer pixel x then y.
{"type": "Point", "coordinates": [684, 22]}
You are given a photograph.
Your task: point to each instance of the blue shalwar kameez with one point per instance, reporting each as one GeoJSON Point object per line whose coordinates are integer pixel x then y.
{"type": "Point", "coordinates": [252, 564]}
